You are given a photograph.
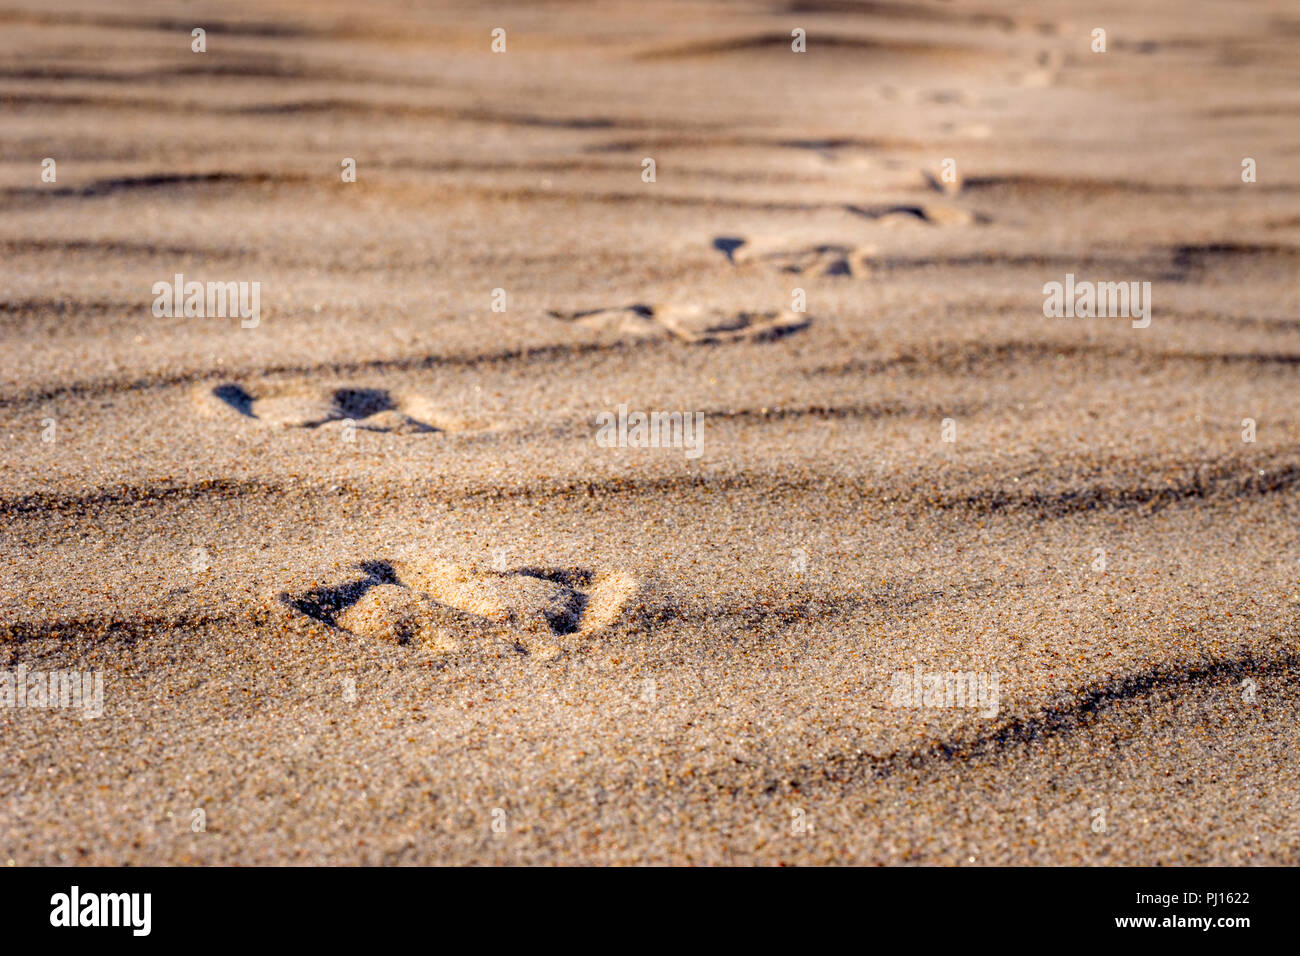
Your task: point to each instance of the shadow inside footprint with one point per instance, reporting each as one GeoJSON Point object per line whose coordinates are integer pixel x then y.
{"type": "Point", "coordinates": [236, 398]}
{"type": "Point", "coordinates": [569, 577]}
{"type": "Point", "coordinates": [728, 245]}
{"type": "Point", "coordinates": [358, 403]}
{"type": "Point", "coordinates": [565, 618]}
{"type": "Point", "coordinates": [325, 604]}
{"type": "Point", "coordinates": [563, 614]}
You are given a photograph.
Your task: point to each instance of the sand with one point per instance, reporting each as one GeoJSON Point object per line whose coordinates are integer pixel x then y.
{"type": "Point", "coordinates": [364, 586]}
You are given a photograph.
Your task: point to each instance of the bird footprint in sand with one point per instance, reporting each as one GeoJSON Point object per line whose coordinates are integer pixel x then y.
{"type": "Point", "coordinates": [437, 604]}
{"type": "Point", "coordinates": [303, 405]}
{"type": "Point", "coordinates": [689, 323]}
{"type": "Point", "coordinates": [827, 259]}
{"type": "Point", "coordinates": [833, 258]}
{"type": "Point", "coordinates": [934, 214]}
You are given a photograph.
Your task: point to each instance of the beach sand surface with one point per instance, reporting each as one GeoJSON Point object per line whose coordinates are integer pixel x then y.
{"type": "Point", "coordinates": [362, 584]}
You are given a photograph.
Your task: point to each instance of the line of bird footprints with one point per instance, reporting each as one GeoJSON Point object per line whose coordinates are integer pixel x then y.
{"type": "Point", "coordinates": [436, 605]}
{"type": "Point", "coordinates": [300, 405]}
